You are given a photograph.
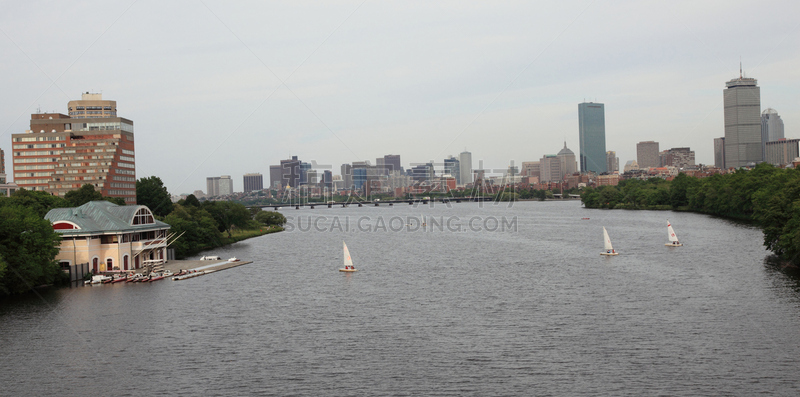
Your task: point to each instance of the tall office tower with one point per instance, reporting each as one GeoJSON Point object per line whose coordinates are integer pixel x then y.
{"type": "Point", "coordinates": [550, 168]}
{"type": "Point", "coordinates": [719, 152]}
{"type": "Point", "coordinates": [451, 167]}
{"type": "Point", "coordinates": [212, 186]}
{"type": "Point", "coordinates": [327, 178]}
{"type": "Point", "coordinates": [253, 182]}
{"type": "Point", "coordinates": [530, 168]}
{"type": "Point", "coordinates": [647, 154]}
{"type": "Point", "coordinates": [568, 164]}
{"type": "Point", "coordinates": [771, 128]}
{"type": "Point", "coordinates": [592, 133]}
{"type": "Point", "coordinates": [290, 169]}
{"type": "Point", "coordinates": [225, 185]}
{"type": "Point", "coordinates": [423, 172]}
{"type": "Point", "coordinates": [742, 100]}
{"type": "Point", "coordinates": [304, 168]}
{"type": "Point", "coordinates": [91, 145]}
{"type": "Point", "coordinates": [275, 176]}
{"type": "Point", "coordinates": [380, 164]}
{"type": "Point", "coordinates": [465, 167]}
{"type": "Point", "coordinates": [612, 161]}
{"type": "Point", "coordinates": [2, 162]}
{"type": "Point", "coordinates": [392, 162]}
{"type": "Point", "coordinates": [783, 151]}
{"type": "Point", "coordinates": [680, 157]}
{"type": "Point", "coordinates": [347, 176]}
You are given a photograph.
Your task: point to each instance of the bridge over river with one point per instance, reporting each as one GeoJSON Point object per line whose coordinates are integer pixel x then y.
{"type": "Point", "coordinates": [377, 203]}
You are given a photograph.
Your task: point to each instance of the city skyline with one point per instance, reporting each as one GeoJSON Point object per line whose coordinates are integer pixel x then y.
{"type": "Point", "coordinates": [352, 81]}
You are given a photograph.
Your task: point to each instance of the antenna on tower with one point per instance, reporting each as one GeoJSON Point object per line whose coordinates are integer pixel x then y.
{"type": "Point", "coordinates": [740, 67]}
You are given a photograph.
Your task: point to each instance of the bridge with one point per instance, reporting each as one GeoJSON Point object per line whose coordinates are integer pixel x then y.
{"type": "Point", "coordinates": [375, 203]}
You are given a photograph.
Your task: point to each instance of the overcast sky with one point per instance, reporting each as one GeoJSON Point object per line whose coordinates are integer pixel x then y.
{"type": "Point", "coordinates": [227, 88]}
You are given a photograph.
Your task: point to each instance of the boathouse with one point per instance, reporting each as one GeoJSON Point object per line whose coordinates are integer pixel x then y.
{"type": "Point", "coordinates": [108, 236]}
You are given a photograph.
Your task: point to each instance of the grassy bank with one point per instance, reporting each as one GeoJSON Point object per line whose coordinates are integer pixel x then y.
{"type": "Point", "coordinates": [239, 235]}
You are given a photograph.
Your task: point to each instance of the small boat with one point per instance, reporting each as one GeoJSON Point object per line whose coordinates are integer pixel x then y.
{"type": "Point", "coordinates": [609, 249]}
{"type": "Point", "coordinates": [210, 258]}
{"type": "Point", "coordinates": [156, 277]}
{"type": "Point", "coordinates": [119, 278]}
{"type": "Point", "coordinates": [234, 259]}
{"type": "Point", "coordinates": [673, 239]}
{"type": "Point", "coordinates": [584, 219]}
{"type": "Point", "coordinates": [99, 279]}
{"type": "Point", "coordinates": [167, 273]}
{"type": "Point", "coordinates": [348, 261]}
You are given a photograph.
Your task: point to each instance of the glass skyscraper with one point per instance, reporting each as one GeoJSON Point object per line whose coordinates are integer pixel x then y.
{"type": "Point", "coordinates": [592, 130]}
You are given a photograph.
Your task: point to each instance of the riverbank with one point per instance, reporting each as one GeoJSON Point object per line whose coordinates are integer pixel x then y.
{"type": "Point", "coordinates": [239, 234]}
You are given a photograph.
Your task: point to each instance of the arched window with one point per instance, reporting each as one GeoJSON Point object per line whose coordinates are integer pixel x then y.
{"type": "Point", "coordinates": [109, 264]}
{"type": "Point", "coordinates": [143, 217]}
{"type": "Point", "coordinates": [95, 265]}
{"type": "Point", "coordinates": [125, 262]}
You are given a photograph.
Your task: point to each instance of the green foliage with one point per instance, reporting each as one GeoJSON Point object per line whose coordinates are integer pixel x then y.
{"type": "Point", "coordinates": [198, 227]}
{"type": "Point", "coordinates": [152, 193]}
{"type": "Point", "coordinates": [191, 201]}
{"type": "Point", "coordinates": [271, 218]}
{"type": "Point", "coordinates": [41, 202]}
{"type": "Point", "coordinates": [28, 246]}
{"type": "Point", "coordinates": [85, 194]}
{"type": "Point", "coordinates": [228, 214]}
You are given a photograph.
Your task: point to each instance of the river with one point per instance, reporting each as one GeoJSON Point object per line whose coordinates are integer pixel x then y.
{"type": "Point", "coordinates": [484, 300]}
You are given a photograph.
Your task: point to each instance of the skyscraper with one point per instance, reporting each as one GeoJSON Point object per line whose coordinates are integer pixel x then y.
{"type": "Point", "coordinates": [465, 167]}
{"type": "Point", "coordinates": [275, 176]}
{"type": "Point", "coordinates": [290, 169]}
{"type": "Point", "coordinates": [612, 161]}
{"type": "Point", "coordinates": [451, 167]}
{"type": "Point", "coordinates": [91, 145]}
{"type": "Point", "coordinates": [253, 182]}
{"type": "Point", "coordinates": [568, 164]}
{"type": "Point", "coordinates": [743, 144]}
{"type": "Point", "coordinates": [719, 153]}
{"type": "Point", "coordinates": [2, 162]}
{"type": "Point", "coordinates": [392, 163]}
{"type": "Point", "coordinates": [550, 168]}
{"type": "Point", "coordinates": [647, 154]}
{"type": "Point", "coordinates": [592, 134]}
{"type": "Point", "coordinates": [212, 186]}
{"type": "Point", "coordinates": [225, 185]}
{"type": "Point", "coordinates": [771, 128]}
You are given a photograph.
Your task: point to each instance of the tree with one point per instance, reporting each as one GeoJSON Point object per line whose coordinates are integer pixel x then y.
{"type": "Point", "coordinates": [28, 246]}
{"type": "Point", "coordinates": [152, 193]}
{"type": "Point", "coordinates": [271, 218]}
{"type": "Point", "coordinates": [39, 201]}
{"type": "Point", "coordinates": [198, 229]}
{"type": "Point", "coordinates": [191, 201]}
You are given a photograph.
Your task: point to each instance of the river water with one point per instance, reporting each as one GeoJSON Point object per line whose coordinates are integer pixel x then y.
{"type": "Point", "coordinates": [502, 300]}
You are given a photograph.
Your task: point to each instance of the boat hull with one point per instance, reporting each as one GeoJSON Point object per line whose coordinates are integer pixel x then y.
{"type": "Point", "coordinates": [673, 245]}
{"type": "Point", "coordinates": [609, 253]}
{"type": "Point", "coordinates": [348, 270]}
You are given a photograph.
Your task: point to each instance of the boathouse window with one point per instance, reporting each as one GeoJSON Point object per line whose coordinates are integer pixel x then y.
{"type": "Point", "coordinates": [143, 217]}
{"type": "Point", "coordinates": [95, 265]}
{"type": "Point", "coordinates": [125, 262]}
{"type": "Point", "coordinates": [109, 264]}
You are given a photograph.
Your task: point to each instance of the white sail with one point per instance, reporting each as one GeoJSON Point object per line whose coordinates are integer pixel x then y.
{"type": "Point", "coordinates": [672, 237]}
{"type": "Point", "coordinates": [607, 240]}
{"type": "Point", "coordinates": [347, 260]}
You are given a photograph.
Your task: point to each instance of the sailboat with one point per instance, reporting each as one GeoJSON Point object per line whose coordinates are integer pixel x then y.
{"type": "Point", "coordinates": [609, 250]}
{"type": "Point", "coordinates": [348, 262]}
{"type": "Point", "coordinates": [673, 239]}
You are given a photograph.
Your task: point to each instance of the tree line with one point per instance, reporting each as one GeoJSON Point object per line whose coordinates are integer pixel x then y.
{"type": "Point", "coordinates": [766, 195]}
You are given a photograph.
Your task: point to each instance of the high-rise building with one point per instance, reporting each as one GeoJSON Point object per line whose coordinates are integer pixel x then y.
{"type": "Point", "coordinates": [91, 145]}
{"type": "Point", "coordinates": [347, 176]}
{"type": "Point", "coordinates": [647, 154]}
{"type": "Point", "coordinates": [550, 168]}
{"type": "Point", "coordinates": [742, 101]}
{"type": "Point", "coordinates": [2, 162]}
{"type": "Point", "coordinates": [304, 168]}
{"type": "Point", "coordinates": [612, 161]}
{"type": "Point", "coordinates": [680, 157]}
{"type": "Point", "coordinates": [275, 176]}
{"type": "Point", "coordinates": [592, 134]}
{"type": "Point", "coordinates": [212, 186]}
{"type": "Point", "coordinates": [423, 172]}
{"type": "Point", "coordinates": [290, 169]}
{"type": "Point", "coordinates": [465, 167]}
{"type": "Point", "coordinates": [253, 182]}
{"type": "Point", "coordinates": [451, 167]}
{"type": "Point", "coordinates": [771, 128]}
{"type": "Point", "coordinates": [568, 164]}
{"type": "Point", "coordinates": [719, 153]}
{"type": "Point", "coordinates": [782, 151]}
{"type": "Point", "coordinates": [327, 178]}
{"type": "Point", "coordinates": [225, 185]}
{"type": "Point", "coordinates": [530, 168]}
{"type": "Point", "coordinates": [392, 163]}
